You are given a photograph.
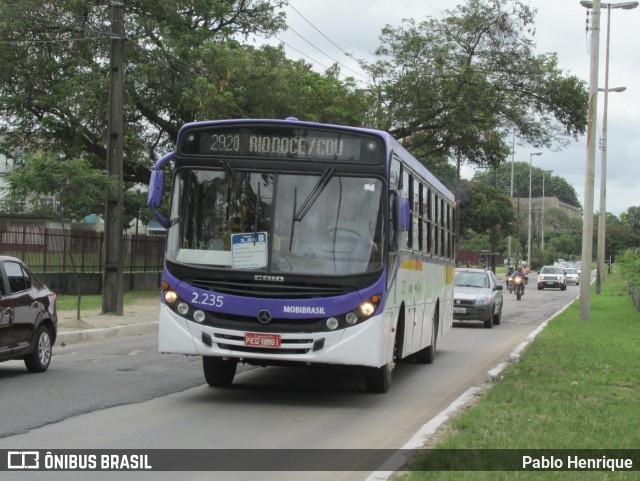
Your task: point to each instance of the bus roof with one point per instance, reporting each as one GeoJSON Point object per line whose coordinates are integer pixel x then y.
{"type": "Point", "coordinates": [391, 144]}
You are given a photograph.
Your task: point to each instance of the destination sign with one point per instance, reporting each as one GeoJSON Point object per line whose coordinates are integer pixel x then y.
{"type": "Point", "coordinates": [282, 143]}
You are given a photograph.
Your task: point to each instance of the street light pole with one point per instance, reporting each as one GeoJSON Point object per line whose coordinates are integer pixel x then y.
{"type": "Point", "coordinates": [587, 224]}
{"type": "Point", "coordinates": [602, 223]}
{"type": "Point", "coordinates": [513, 154]}
{"type": "Point", "coordinates": [530, 218]}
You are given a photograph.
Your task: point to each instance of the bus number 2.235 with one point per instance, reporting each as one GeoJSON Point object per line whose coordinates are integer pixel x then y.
{"type": "Point", "coordinates": [210, 300]}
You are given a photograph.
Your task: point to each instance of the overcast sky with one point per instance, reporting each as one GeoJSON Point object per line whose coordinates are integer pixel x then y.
{"type": "Point", "coordinates": [322, 31]}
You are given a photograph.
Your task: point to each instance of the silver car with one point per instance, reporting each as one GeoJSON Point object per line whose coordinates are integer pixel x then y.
{"type": "Point", "coordinates": [572, 276]}
{"type": "Point", "coordinates": [477, 296]}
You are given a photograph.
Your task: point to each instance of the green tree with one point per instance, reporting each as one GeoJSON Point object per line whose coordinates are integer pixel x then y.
{"type": "Point", "coordinates": [80, 189]}
{"type": "Point", "coordinates": [620, 236]}
{"type": "Point", "coordinates": [631, 218]}
{"type": "Point", "coordinates": [554, 186]}
{"type": "Point", "coordinates": [458, 86]}
{"type": "Point", "coordinates": [183, 63]}
{"type": "Point", "coordinates": [485, 211]}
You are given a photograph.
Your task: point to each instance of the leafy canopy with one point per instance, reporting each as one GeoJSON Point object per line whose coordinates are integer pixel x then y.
{"type": "Point", "coordinates": [184, 62]}
{"type": "Point", "coordinates": [460, 85]}
{"type": "Point", "coordinates": [554, 186]}
{"type": "Point", "coordinates": [80, 188]}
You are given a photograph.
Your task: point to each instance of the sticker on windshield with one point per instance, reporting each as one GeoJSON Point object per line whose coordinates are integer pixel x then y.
{"type": "Point", "coordinates": [249, 251]}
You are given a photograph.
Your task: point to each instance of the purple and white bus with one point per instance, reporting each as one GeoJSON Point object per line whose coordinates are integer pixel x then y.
{"type": "Point", "coordinates": [297, 243]}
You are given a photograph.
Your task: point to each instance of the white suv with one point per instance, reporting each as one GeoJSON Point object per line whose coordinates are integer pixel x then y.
{"type": "Point", "coordinates": [551, 276]}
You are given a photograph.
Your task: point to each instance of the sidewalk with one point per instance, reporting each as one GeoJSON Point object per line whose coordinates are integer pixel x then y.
{"type": "Point", "coordinates": [138, 319]}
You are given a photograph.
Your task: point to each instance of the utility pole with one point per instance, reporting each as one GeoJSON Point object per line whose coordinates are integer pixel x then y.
{"type": "Point", "coordinates": [589, 178]}
{"type": "Point", "coordinates": [112, 277]}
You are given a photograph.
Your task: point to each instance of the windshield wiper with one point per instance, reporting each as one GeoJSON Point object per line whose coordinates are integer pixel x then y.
{"type": "Point", "coordinates": [314, 194]}
{"type": "Point", "coordinates": [228, 170]}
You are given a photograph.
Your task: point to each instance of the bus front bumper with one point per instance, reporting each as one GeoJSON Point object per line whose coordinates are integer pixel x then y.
{"type": "Point", "coordinates": [366, 344]}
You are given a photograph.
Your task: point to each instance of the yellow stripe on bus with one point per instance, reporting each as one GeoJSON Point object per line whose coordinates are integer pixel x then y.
{"type": "Point", "coordinates": [412, 265]}
{"type": "Point", "coordinates": [450, 272]}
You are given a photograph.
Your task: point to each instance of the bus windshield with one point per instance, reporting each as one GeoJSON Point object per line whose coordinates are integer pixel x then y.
{"type": "Point", "coordinates": [313, 224]}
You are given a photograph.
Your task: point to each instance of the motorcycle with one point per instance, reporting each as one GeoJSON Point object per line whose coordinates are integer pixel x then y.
{"type": "Point", "coordinates": [510, 284]}
{"type": "Point", "coordinates": [519, 282]}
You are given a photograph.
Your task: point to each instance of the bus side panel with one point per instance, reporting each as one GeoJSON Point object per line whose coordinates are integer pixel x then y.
{"type": "Point", "coordinates": [405, 293]}
{"type": "Point", "coordinates": [419, 321]}
{"type": "Point", "coordinates": [432, 279]}
{"type": "Point", "coordinates": [446, 316]}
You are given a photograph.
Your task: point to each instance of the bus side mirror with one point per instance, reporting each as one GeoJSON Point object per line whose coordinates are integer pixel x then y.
{"type": "Point", "coordinates": [403, 212]}
{"type": "Point", "coordinates": [156, 187]}
{"type": "Point", "coordinates": [154, 200]}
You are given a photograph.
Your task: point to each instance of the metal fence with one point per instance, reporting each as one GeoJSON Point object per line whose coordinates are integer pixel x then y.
{"type": "Point", "coordinates": [48, 250]}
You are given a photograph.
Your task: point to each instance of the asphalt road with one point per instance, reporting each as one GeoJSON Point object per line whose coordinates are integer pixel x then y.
{"type": "Point", "coordinates": [123, 394]}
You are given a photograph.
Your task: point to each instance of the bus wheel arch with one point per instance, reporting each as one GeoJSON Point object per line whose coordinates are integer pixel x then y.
{"type": "Point", "coordinates": [378, 379]}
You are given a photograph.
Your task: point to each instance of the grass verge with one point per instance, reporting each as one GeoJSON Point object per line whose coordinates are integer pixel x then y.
{"type": "Point", "coordinates": [68, 302]}
{"type": "Point", "coordinates": [577, 386]}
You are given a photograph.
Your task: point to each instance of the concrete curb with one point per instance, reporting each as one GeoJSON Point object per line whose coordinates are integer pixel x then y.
{"type": "Point", "coordinates": [90, 335]}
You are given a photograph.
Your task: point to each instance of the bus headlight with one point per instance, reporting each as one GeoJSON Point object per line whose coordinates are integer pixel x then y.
{"type": "Point", "coordinates": [199, 316]}
{"type": "Point", "coordinates": [352, 317]}
{"type": "Point", "coordinates": [170, 297]}
{"type": "Point", "coordinates": [369, 307]}
{"type": "Point", "coordinates": [366, 308]}
{"type": "Point", "coordinates": [332, 323]}
{"type": "Point", "coordinates": [182, 308]}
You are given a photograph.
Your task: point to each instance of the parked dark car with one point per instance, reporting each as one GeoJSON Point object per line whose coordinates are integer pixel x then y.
{"type": "Point", "coordinates": [477, 296]}
{"type": "Point", "coordinates": [28, 317]}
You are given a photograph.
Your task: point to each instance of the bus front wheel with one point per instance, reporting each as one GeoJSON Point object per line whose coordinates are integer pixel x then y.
{"type": "Point", "coordinates": [219, 372]}
{"type": "Point", "coordinates": [378, 379]}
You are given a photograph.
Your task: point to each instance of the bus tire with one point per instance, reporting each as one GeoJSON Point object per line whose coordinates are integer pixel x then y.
{"type": "Point", "coordinates": [428, 354]}
{"type": "Point", "coordinates": [219, 372]}
{"type": "Point", "coordinates": [378, 379]}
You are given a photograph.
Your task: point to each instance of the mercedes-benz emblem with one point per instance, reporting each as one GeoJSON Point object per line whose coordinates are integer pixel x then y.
{"type": "Point", "coordinates": [264, 316]}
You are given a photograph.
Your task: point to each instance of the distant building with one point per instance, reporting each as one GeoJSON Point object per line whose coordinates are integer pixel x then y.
{"type": "Point", "coordinates": [521, 205]}
{"type": "Point", "coordinates": [539, 206]}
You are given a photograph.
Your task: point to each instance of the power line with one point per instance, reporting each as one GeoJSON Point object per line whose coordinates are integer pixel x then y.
{"type": "Point", "coordinates": [324, 53]}
{"type": "Point", "coordinates": [326, 37]}
{"type": "Point", "coordinates": [318, 30]}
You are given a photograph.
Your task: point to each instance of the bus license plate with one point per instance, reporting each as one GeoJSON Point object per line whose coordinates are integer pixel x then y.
{"type": "Point", "coordinates": [261, 340]}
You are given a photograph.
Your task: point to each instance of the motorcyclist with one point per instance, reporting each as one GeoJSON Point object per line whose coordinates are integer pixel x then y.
{"type": "Point", "coordinates": [509, 280]}
{"type": "Point", "coordinates": [522, 272]}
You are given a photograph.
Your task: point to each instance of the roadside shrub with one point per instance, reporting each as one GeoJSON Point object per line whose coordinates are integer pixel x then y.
{"type": "Point", "coordinates": [629, 267]}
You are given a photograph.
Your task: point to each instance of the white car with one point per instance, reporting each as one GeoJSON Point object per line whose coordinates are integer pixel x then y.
{"type": "Point", "coordinates": [572, 276]}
